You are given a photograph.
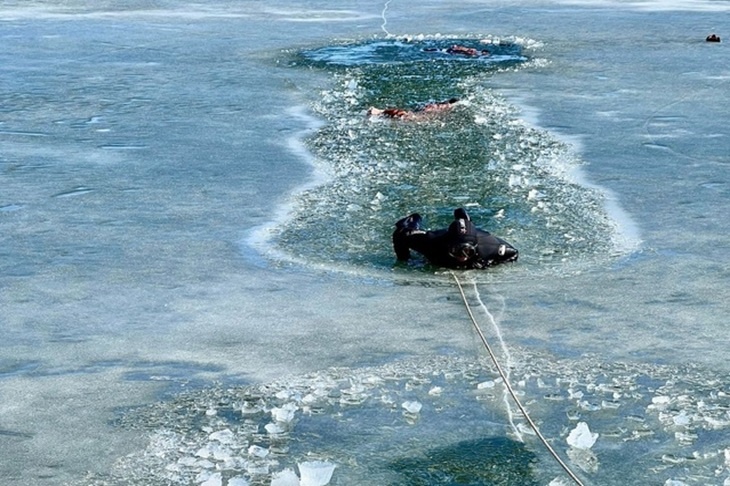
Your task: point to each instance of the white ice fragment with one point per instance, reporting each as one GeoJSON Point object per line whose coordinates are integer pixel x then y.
{"type": "Point", "coordinates": [726, 482]}
{"type": "Point", "coordinates": [372, 379]}
{"type": "Point", "coordinates": [412, 406]}
{"type": "Point", "coordinates": [284, 413]}
{"type": "Point", "coordinates": [581, 437]}
{"type": "Point", "coordinates": [309, 399]}
{"type": "Point", "coordinates": [224, 436]}
{"type": "Point", "coordinates": [258, 451]}
{"type": "Point", "coordinates": [204, 464]}
{"type": "Point", "coordinates": [378, 199]}
{"type": "Point", "coordinates": [674, 482]}
{"type": "Point", "coordinates": [214, 450]}
{"type": "Point", "coordinates": [436, 390]}
{"type": "Point", "coordinates": [610, 404]}
{"type": "Point", "coordinates": [215, 479]}
{"type": "Point", "coordinates": [660, 400]}
{"type": "Point", "coordinates": [315, 473]}
{"type": "Point", "coordinates": [682, 418]}
{"type": "Point", "coordinates": [232, 463]}
{"type": "Point", "coordinates": [211, 412]}
{"type": "Point", "coordinates": [559, 481]}
{"type": "Point", "coordinates": [485, 384]}
{"type": "Point", "coordinates": [238, 481]}
{"type": "Point", "coordinates": [575, 394]}
{"type": "Point", "coordinates": [274, 429]}
{"type": "Point", "coordinates": [283, 394]}
{"type": "Point", "coordinates": [685, 438]}
{"type": "Point", "coordinates": [287, 477]}
{"type": "Point", "coordinates": [221, 453]}
{"type": "Point", "coordinates": [586, 405]}
{"type": "Point", "coordinates": [672, 459]}
{"type": "Point", "coordinates": [187, 461]}
{"type": "Point", "coordinates": [203, 452]}
{"type": "Point", "coordinates": [250, 408]}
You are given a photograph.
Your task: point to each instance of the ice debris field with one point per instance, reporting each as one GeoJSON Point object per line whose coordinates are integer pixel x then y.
{"type": "Point", "coordinates": [407, 422]}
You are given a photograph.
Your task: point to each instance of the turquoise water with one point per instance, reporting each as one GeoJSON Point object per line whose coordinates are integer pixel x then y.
{"type": "Point", "coordinates": [197, 285]}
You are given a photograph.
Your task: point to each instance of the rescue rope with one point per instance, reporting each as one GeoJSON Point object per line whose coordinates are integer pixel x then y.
{"type": "Point", "coordinates": [506, 382]}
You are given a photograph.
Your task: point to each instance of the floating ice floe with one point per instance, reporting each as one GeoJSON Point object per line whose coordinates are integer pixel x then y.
{"type": "Point", "coordinates": [225, 436]}
{"type": "Point", "coordinates": [215, 479]}
{"type": "Point", "coordinates": [435, 391]}
{"type": "Point", "coordinates": [485, 384]}
{"type": "Point", "coordinates": [287, 477]}
{"type": "Point", "coordinates": [413, 407]}
{"type": "Point", "coordinates": [258, 451]}
{"type": "Point", "coordinates": [274, 429]}
{"type": "Point", "coordinates": [581, 437]}
{"type": "Point", "coordinates": [315, 473]}
{"type": "Point", "coordinates": [284, 413]}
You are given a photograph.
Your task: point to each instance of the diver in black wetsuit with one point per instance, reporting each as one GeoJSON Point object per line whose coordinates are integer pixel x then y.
{"type": "Point", "coordinates": [461, 246]}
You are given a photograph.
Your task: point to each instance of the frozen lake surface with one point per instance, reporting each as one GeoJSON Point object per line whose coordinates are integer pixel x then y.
{"type": "Point", "coordinates": [196, 279]}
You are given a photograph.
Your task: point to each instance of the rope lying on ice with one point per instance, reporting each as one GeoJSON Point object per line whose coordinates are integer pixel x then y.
{"type": "Point", "coordinates": [509, 387]}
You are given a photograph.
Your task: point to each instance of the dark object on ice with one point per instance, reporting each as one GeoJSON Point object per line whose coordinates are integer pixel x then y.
{"type": "Point", "coordinates": [713, 38]}
{"type": "Point", "coordinates": [462, 245]}
{"type": "Point", "coordinates": [466, 51]}
{"type": "Point", "coordinates": [423, 112]}
{"type": "Point", "coordinates": [457, 49]}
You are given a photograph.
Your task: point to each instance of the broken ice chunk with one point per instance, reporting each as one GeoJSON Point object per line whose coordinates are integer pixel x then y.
{"type": "Point", "coordinates": [412, 407]}
{"type": "Point", "coordinates": [224, 436]}
{"type": "Point", "coordinates": [315, 473]}
{"type": "Point", "coordinates": [274, 428]}
{"type": "Point", "coordinates": [258, 451]}
{"type": "Point", "coordinates": [287, 477]}
{"type": "Point", "coordinates": [682, 418]}
{"type": "Point", "coordinates": [581, 437]}
{"type": "Point", "coordinates": [284, 413]}
{"type": "Point", "coordinates": [214, 479]}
